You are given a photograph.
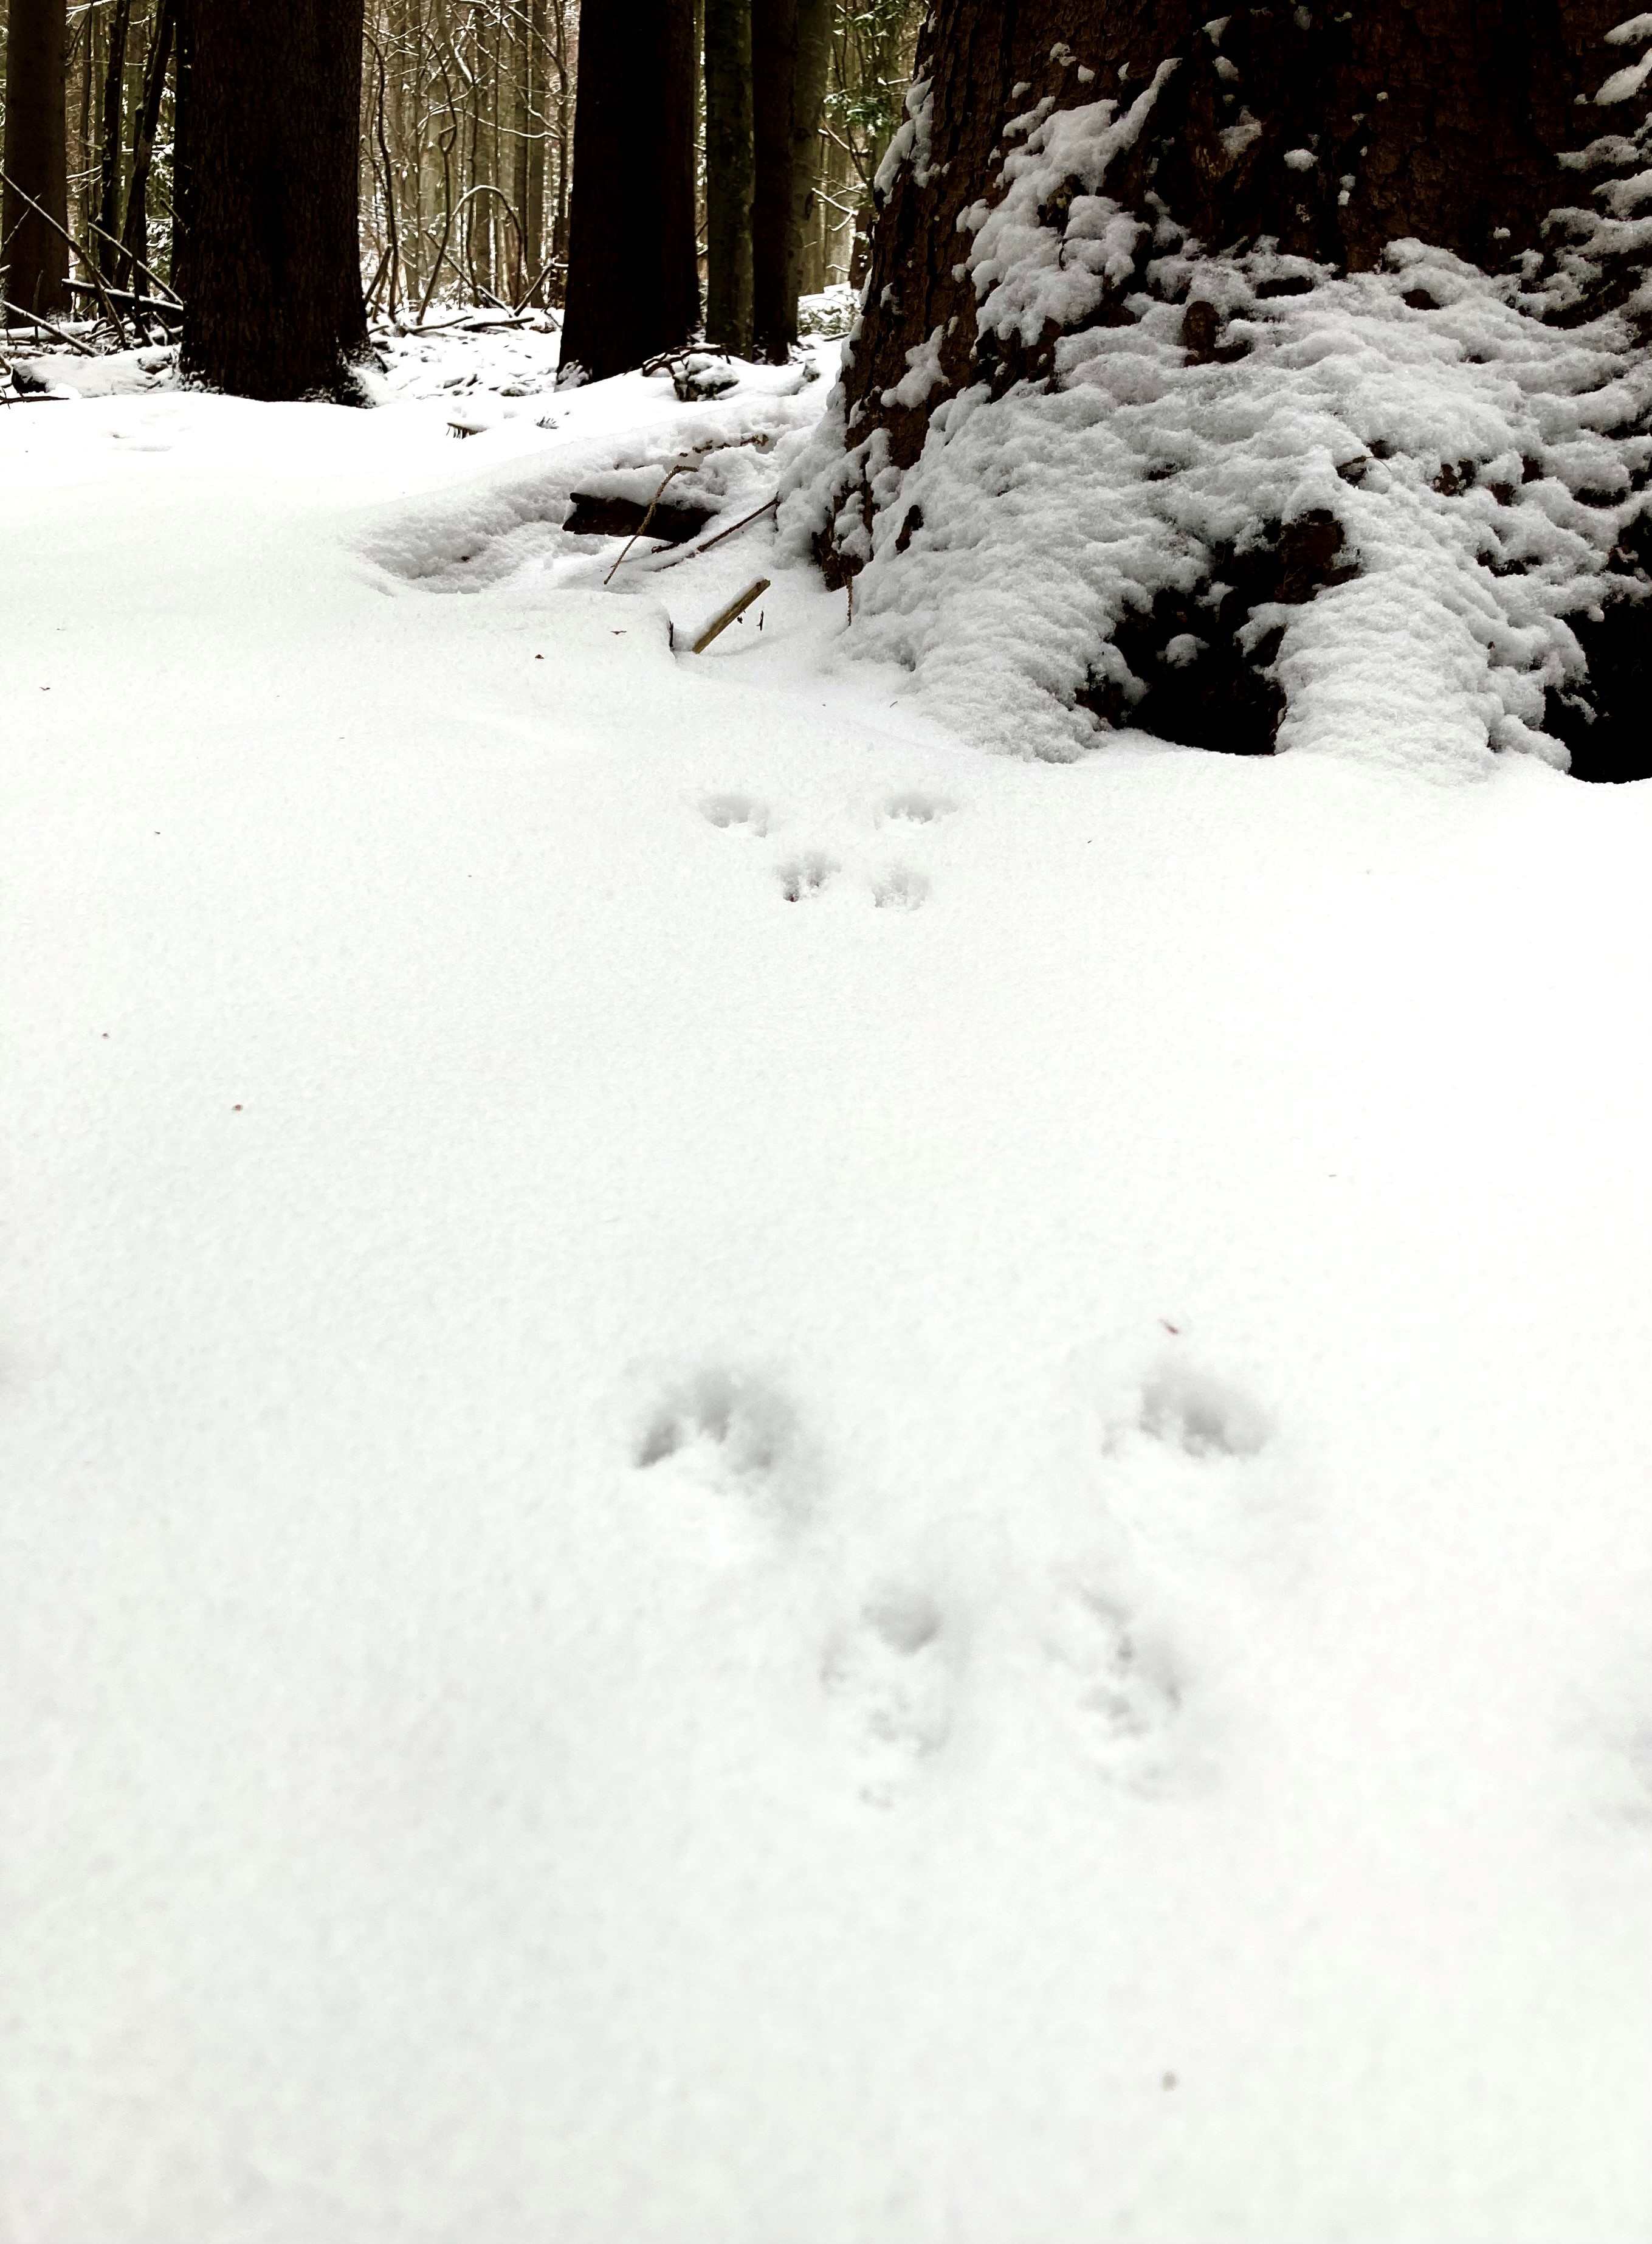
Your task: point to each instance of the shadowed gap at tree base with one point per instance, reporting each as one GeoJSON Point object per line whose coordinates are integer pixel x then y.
{"type": "Point", "coordinates": [1216, 695]}
{"type": "Point", "coordinates": [594, 516]}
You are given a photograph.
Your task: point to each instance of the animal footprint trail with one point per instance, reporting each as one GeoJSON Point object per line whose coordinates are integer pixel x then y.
{"type": "Point", "coordinates": [803, 877]}
{"type": "Point", "coordinates": [728, 1432]}
{"type": "Point", "coordinates": [1121, 1688]}
{"type": "Point", "coordinates": [913, 807]}
{"type": "Point", "coordinates": [1188, 1409]}
{"type": "Point", "coordinates": [889, 1681]}
{"type": "Point", "coordinates": [898, 888]}
{"type": "Point", "coordinates": [732, 812]}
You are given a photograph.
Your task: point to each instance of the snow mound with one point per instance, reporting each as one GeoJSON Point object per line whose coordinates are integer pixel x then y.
{"type": "Point", "coordinates": [1363, 514]}
{"type": "Point", "coordinates": [722, 458]}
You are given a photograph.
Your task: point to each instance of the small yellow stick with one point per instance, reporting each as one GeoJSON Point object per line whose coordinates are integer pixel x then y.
{"type": "Point", "coordinates": [735, 608]}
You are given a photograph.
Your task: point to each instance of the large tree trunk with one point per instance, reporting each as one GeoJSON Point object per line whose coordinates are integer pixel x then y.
{"type": "Point", "coordinates": [1072, 172]}
{"type": "Point", "coordinates": [36, 255]}
{"type": "Point", "coordinates": [728, 172]}
{"type": "Point", "coordinates": [272, 286]}
{"type": "Point", "coordinates": [633, 279]}
{"type": "Point", "coordinates": [1447, 120]}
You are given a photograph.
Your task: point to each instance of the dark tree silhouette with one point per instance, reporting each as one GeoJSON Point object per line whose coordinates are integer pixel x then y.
{"type": "Point", "coordinates": [633, 284]}
{"type": "Point", "coordinates": [271, 112]}
{"type": "Point", "coordinates": [791, 53]}
{"type": "Point", "coordinates": [35, 254]}
{"type": "Point", "coordinates": [728, 172]}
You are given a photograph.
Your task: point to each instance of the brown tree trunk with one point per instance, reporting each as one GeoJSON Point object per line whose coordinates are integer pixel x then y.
{"type": "Point", "coordinates": [274, 280]}
{"type": "Point", "coordinates": [728, 172]}
{"type": "Point", "coordinates": [35, 256]}
{"type": "Point", "coordinates": [135, 240]}
{"type": "Point", "coordinates": [1226, 161]}
{"type": "Point", "coordinates": [633, 283]}
{"type": "Point", "coordinates": [103, 245]}
{"type": "Point", "coordinates": [808, 92]}
{"type": "Point", "coordinates": [1447, 117]}
{"type": "Point", "coordinates": [791, 53]}
{"type": "Point", "coordinates": [774, 61]}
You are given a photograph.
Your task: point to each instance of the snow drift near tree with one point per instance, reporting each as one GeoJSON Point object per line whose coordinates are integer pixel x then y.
{"type": "Point", "coordinates": [1373, 506]}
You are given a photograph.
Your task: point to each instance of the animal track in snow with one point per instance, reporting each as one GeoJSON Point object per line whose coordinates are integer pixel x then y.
{"type": "Point", "coordinates": [1121, 1687]}
{"type": "Point", "coordinates": [898, 888]}
{"type": "Point", "coordinates": [804, 876]}
{"type": "Point", "coordinates": [888, 1680]}
{"type": "Point", "coordinates": [915, 807]}
{"type": "Point", "coordinates": [729, 1431]}
{"type": "Point", "coordinates": [1189, 1409]}
{"type": "Point", "coordinates": [729, 811]}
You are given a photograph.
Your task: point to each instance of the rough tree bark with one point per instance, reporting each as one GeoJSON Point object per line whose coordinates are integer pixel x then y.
{"type": "Point", "coordinates": [1335, 133]}
{"type": "Point", "coordinates": [272, 271]}
{"type": "Point", "coordinates": [728, 172]}
{"type": "Point", "coordinates": [1450, 116]}
{"type": "Point", "coordinates": [35, 255]}
{"type": "Point", "coordinates": [791, 52]}
{"type": "Point", "coordinates": [633, 281]}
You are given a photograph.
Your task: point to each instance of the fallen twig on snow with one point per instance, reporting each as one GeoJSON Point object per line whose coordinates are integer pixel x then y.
{"type": "Point", "coordinates": [641, 526]}
{"type": "Point", "coordinates": [735, 609]}
{"type": "Point", "coordinates": [692, 552]}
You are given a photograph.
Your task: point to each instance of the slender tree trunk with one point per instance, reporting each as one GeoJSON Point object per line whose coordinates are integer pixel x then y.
{"type": "Point", "coordinates": [791, 52]}
{"type": "Point", "coordinates": [633, 288]}
{"type": "Point", "coordinates": [774, 56]}
{"type": "Point", "coordinates": [535, 125]}
{"type": "Point", "coordinates": [728, 172]}
{"type": "Point", "coordinates": [274, 302]}
{"type": "Point", "coordinates": [103, 243]}
{"type": "Point", "coordinates": [182, 144]}
{"type": "Point", "coordinates": [36, 157]}
{"type": "Point", "coordinates": [135, 241]}
{"type": "Point", "coordinates": [808, 92]}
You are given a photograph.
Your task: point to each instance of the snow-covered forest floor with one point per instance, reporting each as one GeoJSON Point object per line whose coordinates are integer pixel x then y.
{"type": "Point", "coordinates": [765, 1479]}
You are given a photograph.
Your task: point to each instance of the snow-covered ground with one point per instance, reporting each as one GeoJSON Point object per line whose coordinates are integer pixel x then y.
{"type": "Point", "coordinates": [764, 1479]}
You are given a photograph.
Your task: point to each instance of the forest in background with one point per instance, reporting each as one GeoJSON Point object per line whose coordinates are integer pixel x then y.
{"type": "Point", "coordinates": [466, 150]}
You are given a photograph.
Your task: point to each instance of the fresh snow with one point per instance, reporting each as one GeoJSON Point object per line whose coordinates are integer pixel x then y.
{"type": "Point", "coordinates": [767, 1479]}
{"type": "Point", "coordinates": [1482, 462]}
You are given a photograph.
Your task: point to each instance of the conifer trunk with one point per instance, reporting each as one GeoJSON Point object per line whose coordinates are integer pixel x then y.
{"type": "Point", "coordinates": [36, 159]}
{"type": "Point", "coordinates": [791, 52]}
{"type": "Point", "coordinates": [135, 240]}
{"type": "Point", "coordinates": [273, 277]}
{"type": "Point", "coordinates": [728, 172]}
{"type": "Point", "coordinates": [1443, 120]}
{"type": "Point", "coordinates": [633, 281]}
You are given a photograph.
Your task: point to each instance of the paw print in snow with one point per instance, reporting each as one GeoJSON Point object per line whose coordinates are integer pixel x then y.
{"type": "Point", "coordinates": [731, 1432]}
{"type": "Point", "coordinates": [1189, 1409]}
{"type": "Point", "coordinates": [915, 808]}
{"type": "Point", "coordinates": [1121, 1687]}
{"type": "Point", "coordinates": [888, 1680]}
{"type": "Point", "coordinates": [731, 812]}
{"type": "Point", "coordinates": [806, 876]}
{"type": "Point", "coordinates": [898, 888]}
